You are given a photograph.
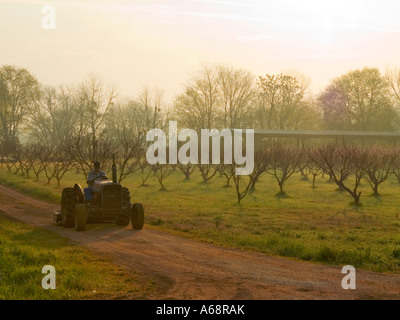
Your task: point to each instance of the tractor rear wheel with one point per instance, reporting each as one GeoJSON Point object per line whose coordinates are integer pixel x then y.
{"type": "Point", "coordinates": [125, 216]}
{"type": "Point", "coordinates": [137, 219]}
{"type": "Point", "coordinates": [68, 203]}
{"type": "Point", "coordinates": [80, 217]}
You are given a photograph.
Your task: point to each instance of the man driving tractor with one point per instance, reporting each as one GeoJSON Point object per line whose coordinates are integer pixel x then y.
{"type": "Point", "coordinates": [93, 175]}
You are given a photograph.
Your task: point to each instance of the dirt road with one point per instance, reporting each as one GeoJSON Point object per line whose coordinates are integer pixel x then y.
{"type": "Point", "coordinates": [186, 269]}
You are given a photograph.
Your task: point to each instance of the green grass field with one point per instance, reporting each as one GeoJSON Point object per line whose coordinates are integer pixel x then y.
{"type": "Point", "coordinates": [79, 274]}
{"type": "Point", "coordinates": [317, 225]}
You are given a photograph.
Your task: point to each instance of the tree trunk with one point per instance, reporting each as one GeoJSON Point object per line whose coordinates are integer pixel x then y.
{"type": "Point", "coordinates": [357, 198]}
{"type": "Point", "coordinates": [162, 186]}
{"type": "Point", "coordinates": [376, 191]}
{"type": "Point", "coordinates": [253, 185]}
{"type": "Point", "coordinates": [228, 182]}
{"type": "Point", "coordinates": [282, 191]}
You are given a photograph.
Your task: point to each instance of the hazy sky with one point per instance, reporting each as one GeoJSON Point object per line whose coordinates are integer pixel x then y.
{"type": "Point", "coordinates": [160, 42]}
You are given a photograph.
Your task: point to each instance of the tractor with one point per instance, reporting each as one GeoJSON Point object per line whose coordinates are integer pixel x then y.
{"type": "Point", "coordinates": [110, 203]}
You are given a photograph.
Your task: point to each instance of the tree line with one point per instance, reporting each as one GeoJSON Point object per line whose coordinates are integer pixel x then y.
{"type": "Point", "coordinates": [217, 97]}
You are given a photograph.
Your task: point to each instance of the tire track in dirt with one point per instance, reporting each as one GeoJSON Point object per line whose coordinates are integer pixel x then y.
{"type": "Point", "coordinates": [186, 269]}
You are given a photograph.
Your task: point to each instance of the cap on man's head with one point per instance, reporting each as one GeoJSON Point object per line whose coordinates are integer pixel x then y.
{"type": "Point", "coordinates": [97, 164]}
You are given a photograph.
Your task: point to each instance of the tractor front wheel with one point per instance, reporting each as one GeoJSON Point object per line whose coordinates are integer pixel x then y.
{"type": "Point", "coordinates": [80, 217]}
{"type": "Point", "coordinates": [137, 219]}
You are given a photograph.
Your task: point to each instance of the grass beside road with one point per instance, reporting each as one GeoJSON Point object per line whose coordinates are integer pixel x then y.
{"type": "Point", "coordinates": [314, 225]}
{"type": "Point", "coordinates": [24, 251]}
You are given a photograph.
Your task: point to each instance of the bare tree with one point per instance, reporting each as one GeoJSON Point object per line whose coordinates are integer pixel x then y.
{"type": "Point", "coordinates": [125, 129]}
{"type": "Point", "coordinates": [45, 157]}
{"type": "Point", "coordinates": [93, 103]}
{"type": "Point", "coordinates": [28, 158]}
{"type": "Point", "coordinates": [208, 171]}
{"type": "Point", "coordinates": [237, 93]}
{"type": "Point", "coordinates": [187, 170]}
{"type": "Point", "coordinates": [151, 101]}
{"type": "Point", "coordinates": [343, 163]}
{"type": "Point", "coordinates": [52, 119]}
{"type": "Point", "coordinates": [162, 171]}
{"type": "Point", "coordinates": [261, 162]}
{"type": "Point", "coordinates": [242, 183]}
{"type": "Point", "coordinates": [315, 171]}
{"type": "Point", "coordinates": [62, 163]}
{"type": "Point", "coordinates": [198, 107]}
{"type": "Point", "coordinates": [283, 162]}
{"type": "Point", "coordinates": [381, 164]}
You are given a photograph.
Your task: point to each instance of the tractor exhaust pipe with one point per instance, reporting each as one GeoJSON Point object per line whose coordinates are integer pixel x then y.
{"type": "Point", "coordinates": [114, 170]}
